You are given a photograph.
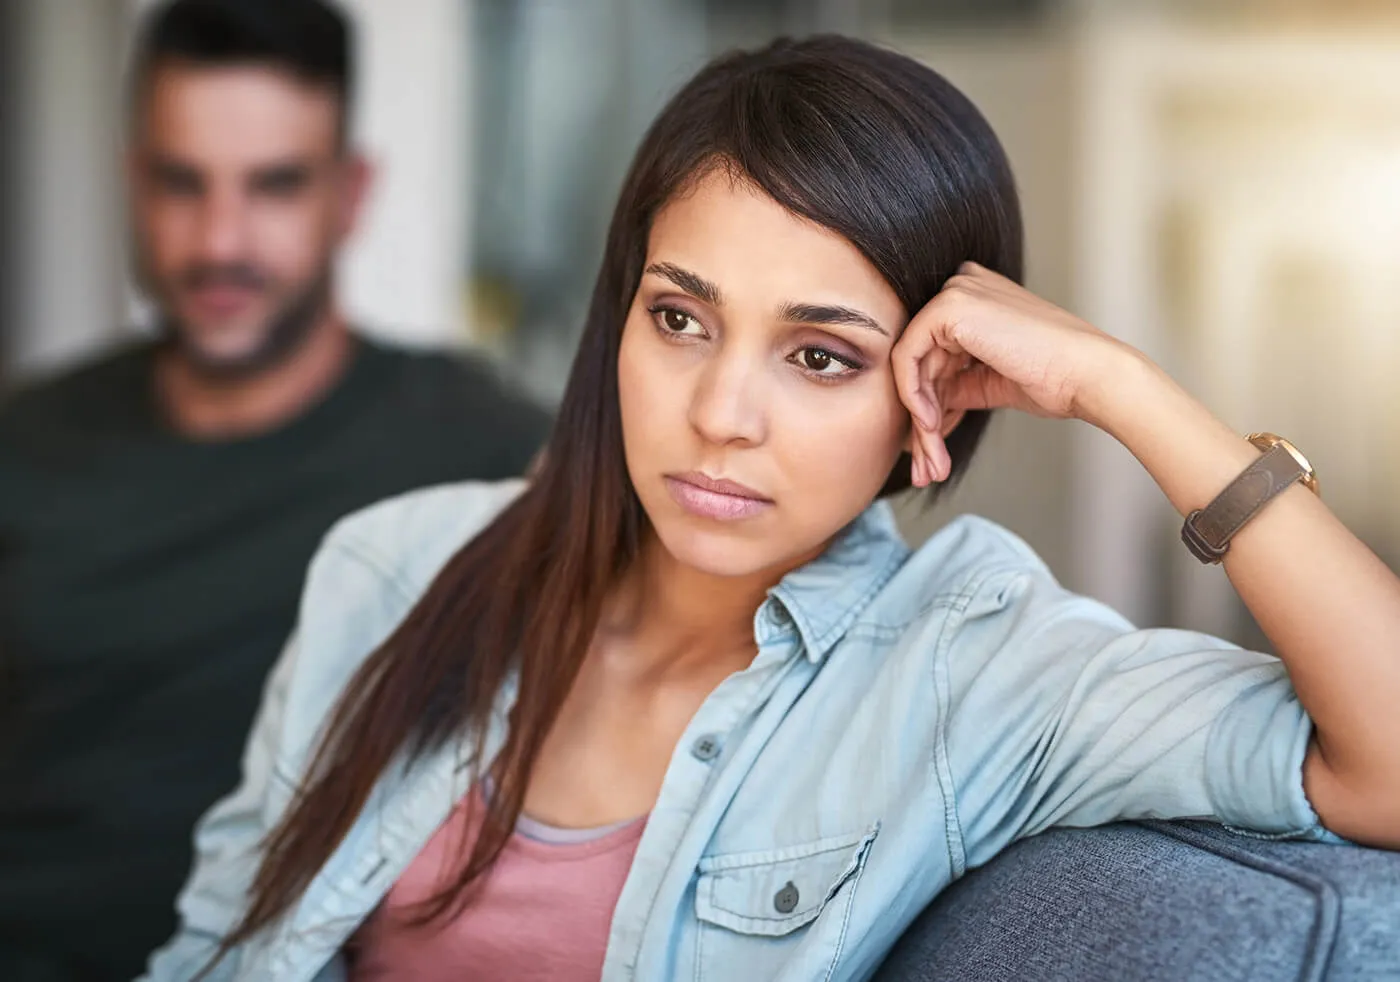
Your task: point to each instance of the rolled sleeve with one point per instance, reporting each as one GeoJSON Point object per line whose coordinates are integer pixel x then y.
{"type": "Point", "coordinates": [1254, 763]}
{"type": "Point", "coordinates": [1059, 712]}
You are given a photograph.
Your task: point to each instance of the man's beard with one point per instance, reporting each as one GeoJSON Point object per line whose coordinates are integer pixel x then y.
{"type": "Point", "coordinates": [282, 336]}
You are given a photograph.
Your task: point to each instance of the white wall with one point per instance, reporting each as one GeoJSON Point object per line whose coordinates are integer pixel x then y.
{"type": "Point", "coordinates": [66, 237]}
{"type": "Point", "coordinates": [403, 276]}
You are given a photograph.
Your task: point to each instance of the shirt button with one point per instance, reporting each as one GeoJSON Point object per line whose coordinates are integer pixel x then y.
{"type": "Point", "coordinates": [705, 748]}
{"type": "Point", "coordinates": [777, 615]}
{"type": "Point", "coordinates": [785, 902]}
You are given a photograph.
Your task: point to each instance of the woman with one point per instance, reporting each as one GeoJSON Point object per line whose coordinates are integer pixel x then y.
{"type": "Point", "coordinates": [686, 706]}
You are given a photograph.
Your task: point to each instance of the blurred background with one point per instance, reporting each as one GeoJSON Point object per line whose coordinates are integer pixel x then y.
{"type": "Point", "coordinates": [1215, 181]}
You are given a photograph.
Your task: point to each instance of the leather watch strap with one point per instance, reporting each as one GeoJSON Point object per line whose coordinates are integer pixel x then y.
{"type": "Point", "coordinates": [1207, 531]}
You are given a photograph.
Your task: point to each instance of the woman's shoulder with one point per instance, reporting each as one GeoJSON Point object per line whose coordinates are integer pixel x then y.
{"type": "Point", "coordinates": [975, 571]}
{"type": "Point", "coordinates": [967, 553]}
{"type": "Point", "coordinates": [370, 570]}
{"type": "Point", "coordinates": [408, 538]}
{"type": "Point", "coordinates": [975, 581]}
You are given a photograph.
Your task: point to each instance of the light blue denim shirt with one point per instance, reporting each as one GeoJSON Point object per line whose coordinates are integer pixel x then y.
{"type": "Point", "coordinates": [909, 714]}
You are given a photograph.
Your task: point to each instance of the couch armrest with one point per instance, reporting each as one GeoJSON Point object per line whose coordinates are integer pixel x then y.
{"type": "Point", "coordinates": [1161, 900]}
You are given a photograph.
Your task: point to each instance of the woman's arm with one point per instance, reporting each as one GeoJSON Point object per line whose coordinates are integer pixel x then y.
{"type": "Point", "coordinates": [1328, 605]}
{"type": "Point", "coordinates": [1330, 608]}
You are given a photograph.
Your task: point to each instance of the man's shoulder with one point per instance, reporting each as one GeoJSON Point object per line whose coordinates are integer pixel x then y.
{"type": "Point", "coordinates": [461, 372]}
{"type": "Point", "coordinates": [431, 385]}
{"type": "Point", "coordinates": [69, 393]}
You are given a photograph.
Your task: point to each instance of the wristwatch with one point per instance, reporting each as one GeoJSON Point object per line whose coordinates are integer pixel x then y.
{"type": "Point", "coordinates": [1207, 531]}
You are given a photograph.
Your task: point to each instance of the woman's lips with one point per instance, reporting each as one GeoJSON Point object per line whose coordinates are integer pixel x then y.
{"type": "Point", "coordinates": [708, 497]}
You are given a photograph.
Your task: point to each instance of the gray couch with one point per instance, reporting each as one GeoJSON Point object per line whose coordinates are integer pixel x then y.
{"type": "Point", "coordinates": [1149, 901]}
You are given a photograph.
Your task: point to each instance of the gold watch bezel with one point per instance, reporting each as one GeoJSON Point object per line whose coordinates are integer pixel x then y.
{"type": "Point", "coordinates": [1267, 441]}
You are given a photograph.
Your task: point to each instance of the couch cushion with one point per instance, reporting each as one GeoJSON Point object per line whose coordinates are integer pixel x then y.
{"type": "Point", "coordinates": [1157, 900]}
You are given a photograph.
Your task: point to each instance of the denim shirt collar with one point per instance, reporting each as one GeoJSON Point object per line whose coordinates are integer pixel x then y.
{"type": "Point", "coordinates": [823, 598]}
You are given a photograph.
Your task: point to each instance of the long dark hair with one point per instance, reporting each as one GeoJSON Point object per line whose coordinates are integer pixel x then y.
{"type": "Point", "coordinates": [860, 140]}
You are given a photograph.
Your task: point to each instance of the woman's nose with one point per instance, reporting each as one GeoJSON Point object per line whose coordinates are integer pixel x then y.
{"type": "Point", "coordinates": [728, 403]}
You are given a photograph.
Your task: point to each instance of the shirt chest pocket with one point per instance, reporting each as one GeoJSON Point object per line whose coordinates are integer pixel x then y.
{"type": "Point", "coordinates": [778, 912]}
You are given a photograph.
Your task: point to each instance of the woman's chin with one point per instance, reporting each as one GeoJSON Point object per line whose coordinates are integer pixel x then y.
{"type": "Point", "coordinates": [731, 550]}
{"type": "Point", "coordinates": [721, 551]}
{"type": "Point", "coordinates": [744, 546]}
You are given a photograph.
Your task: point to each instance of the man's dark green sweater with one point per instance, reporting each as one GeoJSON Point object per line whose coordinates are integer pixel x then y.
{"type": "Point", "coordinates": [147, 584]}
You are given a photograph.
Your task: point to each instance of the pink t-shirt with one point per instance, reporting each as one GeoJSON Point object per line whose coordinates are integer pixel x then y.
{"type": "Point", "coordinates": [542, 913]}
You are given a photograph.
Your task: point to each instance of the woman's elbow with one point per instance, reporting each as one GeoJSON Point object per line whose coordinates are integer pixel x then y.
{"type": "Point", "coordinates": [1362, 807]}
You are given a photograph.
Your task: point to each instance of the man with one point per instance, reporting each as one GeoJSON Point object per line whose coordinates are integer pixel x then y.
{"type": "Point", "coordinates": [158, 507]}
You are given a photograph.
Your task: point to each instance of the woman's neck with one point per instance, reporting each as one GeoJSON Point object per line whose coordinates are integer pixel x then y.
{"type": "Point", "coordinates": [668, 616]}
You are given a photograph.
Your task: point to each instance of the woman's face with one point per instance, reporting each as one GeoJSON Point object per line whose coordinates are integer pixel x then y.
{"type": "Point", "coordinates": [759, 412]}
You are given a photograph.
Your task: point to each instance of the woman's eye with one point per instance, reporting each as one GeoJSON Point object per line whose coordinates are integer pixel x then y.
{"type": "Point", "coordinates": [674, 321]}
{"type": "Point", "coordinates": [819, 361]}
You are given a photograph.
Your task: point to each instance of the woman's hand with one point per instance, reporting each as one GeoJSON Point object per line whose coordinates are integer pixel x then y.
{"type": "Point", "coordinates": [984, 342]}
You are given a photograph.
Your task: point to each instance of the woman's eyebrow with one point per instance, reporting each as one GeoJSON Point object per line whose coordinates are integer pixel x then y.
{"type": "Point", "coordinates": [693, 284]}
{"type": "Point", "coordinates": [799, 313]}
{"type": "Point", "coordinates": [821, 313]}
